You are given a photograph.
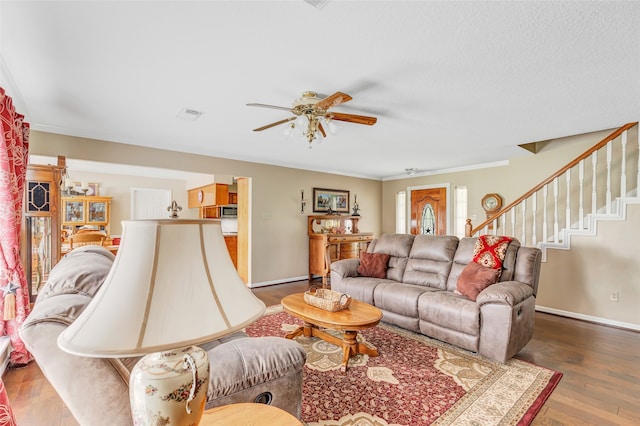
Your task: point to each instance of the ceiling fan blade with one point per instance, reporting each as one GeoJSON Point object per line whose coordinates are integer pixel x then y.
{"type": "Point", "coordinates": [324, 134]}
{"type": "Point", "coordinates": [269, 106]}
{"type": "Point", "coordinates": [274, 124]}
{"type": "Point", "coordinates": [353, 118]}
{"type": "Point", "coordinates": [333, 100]}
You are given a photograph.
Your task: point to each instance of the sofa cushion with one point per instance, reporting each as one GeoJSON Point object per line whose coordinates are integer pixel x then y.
{"type": "Point", "coordinates": [430, 260]}
{"type": "Point", "coordinates": [449, 310]}
{"type": "Point", "coordinates": [490, 250]}
{"type": "Point", "coordinates": [359, 288]}
{"type": "Point", "coordinates": [475, 278]}
{"type": "Point", "coordinates": [373, 265]}
{"type": "Point", "coordinates": [399, 298]}
{"type": "Point", "coordinates": [81, 271]}
{"type": "Point", "coordinates": [397, 246]}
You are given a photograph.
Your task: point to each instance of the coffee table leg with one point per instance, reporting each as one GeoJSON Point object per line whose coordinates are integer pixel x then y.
{"type": "Point", "coordinates": [305, 330]}
{"type": "Point", "coordinates": [351, 347]}
{"type": "Point", "coordinates": [349, 342]}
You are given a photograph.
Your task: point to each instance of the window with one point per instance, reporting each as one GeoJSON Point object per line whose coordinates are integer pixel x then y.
{"type": "Point", "coordinates": [401, 212]}
{"type": "Point", "coordinates": [460, 210]}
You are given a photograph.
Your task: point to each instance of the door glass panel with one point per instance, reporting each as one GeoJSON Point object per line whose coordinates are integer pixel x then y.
{"type": "Point", "coordinates": [38, 197]}
{"type": "Point", "coordinates": [39, 263]}
{"type": "Point", "coordinates": [428, 223]}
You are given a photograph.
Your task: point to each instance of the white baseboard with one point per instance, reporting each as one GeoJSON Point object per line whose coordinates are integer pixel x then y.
{"type": "Point", "coordinates": [598, 320]}
{"type": "Point", "coordinates": [283, 280]}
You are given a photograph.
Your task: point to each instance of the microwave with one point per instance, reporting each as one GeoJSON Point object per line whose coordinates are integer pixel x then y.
{"type": "Point", "coordinates": [230, 210]}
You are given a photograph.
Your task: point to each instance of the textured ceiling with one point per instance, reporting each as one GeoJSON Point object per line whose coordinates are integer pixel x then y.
{"type": "Point", "coordinates": [453, 84]}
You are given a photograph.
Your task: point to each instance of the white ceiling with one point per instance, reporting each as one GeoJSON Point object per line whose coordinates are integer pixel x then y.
{"type": "Point", "coordinates": [453, 84]}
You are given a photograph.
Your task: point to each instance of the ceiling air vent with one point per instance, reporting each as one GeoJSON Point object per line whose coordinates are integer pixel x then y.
{"type": "Point", "coordinates": [317, 3]}
{"type": "Point", "coordinates": [189, 114]}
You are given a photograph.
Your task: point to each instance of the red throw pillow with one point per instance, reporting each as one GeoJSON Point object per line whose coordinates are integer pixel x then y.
{"type": "Point", "coordinates": [490, 250]}
{"type": "Point", "coordinates": [474, 278]}
{"type": "Point", "coordinates": [373, 265]}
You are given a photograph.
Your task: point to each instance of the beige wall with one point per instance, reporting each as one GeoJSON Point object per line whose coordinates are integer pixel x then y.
{"type": "Point", "coordinates": [119, 187]}
{"type": "Point", "coordinates": [279, 243]}
{"type": "Point", "coordinates": [580, 280]}
{"type": "Point", "coordinates": [576, 281]}
{"type": "Point", "coordinates": [280, 247]}
{"type": "Point", "coordinates": [509, 181]}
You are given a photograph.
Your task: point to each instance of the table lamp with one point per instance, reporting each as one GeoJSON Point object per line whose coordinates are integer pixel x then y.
{"type": "Point", "coordinates": [172, 286]}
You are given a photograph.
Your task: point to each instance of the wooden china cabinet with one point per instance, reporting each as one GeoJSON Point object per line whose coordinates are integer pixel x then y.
{"type": "Point", "coordinates": [41, 240]}
{"type": "Point", "coordinates": [331, 238]}
{"type": "Point", "coordinates": [87, 211]}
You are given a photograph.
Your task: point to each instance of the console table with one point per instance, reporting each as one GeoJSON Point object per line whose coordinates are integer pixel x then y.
{"type": "Point", "coordinates": [331, 238]}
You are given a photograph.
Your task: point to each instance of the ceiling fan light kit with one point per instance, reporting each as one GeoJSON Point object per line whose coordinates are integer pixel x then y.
{"type": "Point", "coordinates": [310, 112]}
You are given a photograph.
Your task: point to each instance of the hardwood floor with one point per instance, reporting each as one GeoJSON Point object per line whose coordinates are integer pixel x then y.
{"type": "Point", "coordinates": [600, 386]}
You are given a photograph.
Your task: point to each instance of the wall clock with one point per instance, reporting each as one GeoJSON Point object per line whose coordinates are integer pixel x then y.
{"type": "Point", "coordinates": [491, 203]}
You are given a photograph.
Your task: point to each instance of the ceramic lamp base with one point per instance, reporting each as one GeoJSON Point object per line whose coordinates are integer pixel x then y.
{"type": "Point", "coordinates": [160, 386]}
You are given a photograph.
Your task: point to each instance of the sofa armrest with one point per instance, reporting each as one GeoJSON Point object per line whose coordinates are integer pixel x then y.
{"type": "Point", "coordinates": [89, 387]}
{"type": "Point", "coordinates": [508, 292]}
{"type": "Point", "coordinates": [247, 369]}
{"type": "Point", "coordinates": [346, 268]}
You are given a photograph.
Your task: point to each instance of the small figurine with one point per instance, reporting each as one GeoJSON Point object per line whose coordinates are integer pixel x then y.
{"type": "Point", "coordinates": [356, 208]}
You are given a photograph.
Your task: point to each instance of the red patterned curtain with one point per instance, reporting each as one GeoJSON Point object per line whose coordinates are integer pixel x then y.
{"type": "Point", "coordinates": [14, 299]}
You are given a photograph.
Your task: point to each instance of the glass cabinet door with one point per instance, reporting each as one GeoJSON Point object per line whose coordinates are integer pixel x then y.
{"type": "Point", "coordinates": [40, 261]}
{"type": "Point", "coordinates": [97, 212]}
{"type": "Point", "coordinates": [73, 211]}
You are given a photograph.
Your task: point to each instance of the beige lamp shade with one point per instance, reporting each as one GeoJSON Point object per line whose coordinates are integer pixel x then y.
{"type": "Point", "coordinates": [172, 285]}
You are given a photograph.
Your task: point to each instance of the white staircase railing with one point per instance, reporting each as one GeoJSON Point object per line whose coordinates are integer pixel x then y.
{"type": "Point", "coordinates": [602, 172]}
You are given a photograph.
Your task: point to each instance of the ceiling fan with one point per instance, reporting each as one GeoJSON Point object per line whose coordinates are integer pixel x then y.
{"type": "Point", "coordinates": [310, 110]}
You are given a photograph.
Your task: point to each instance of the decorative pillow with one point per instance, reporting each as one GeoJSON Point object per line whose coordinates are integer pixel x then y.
{"type": "Point", "coordinates": [373, 265]}
{"type": "Point", "coordinates": [474, 278]}
{"type": "Point", "coordinates": [490, 250]}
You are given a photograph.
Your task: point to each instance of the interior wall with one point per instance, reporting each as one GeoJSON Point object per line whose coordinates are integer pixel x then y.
{"type": "Point", "coordinates": [279, 242]}
{"type": "Point", "coordinates": [576, 281]}
{"type": "Point", "coordinates": [509, 181]}
{"type": "Point", "coordinates": [582, 279]}
{"type": "Point", "coordinates": [119, 187]}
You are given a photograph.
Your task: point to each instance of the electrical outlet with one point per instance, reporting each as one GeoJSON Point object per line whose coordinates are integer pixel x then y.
{"type": "Point", "coordinates": [266, 216]}
{"type": "Point", "coordinates": [614, 296]}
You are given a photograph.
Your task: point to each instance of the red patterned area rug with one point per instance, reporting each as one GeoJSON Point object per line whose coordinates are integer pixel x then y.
{"type": "Point", "coordinates": [414, 381]}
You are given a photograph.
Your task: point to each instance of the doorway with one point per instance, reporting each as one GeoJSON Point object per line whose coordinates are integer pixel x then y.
{"type": "Point", "coordinates": [149, 203]}
{"type": "Point", "coordinates": [428, 210]}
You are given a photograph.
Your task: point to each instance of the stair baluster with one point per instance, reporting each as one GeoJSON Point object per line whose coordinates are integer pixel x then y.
{"type": "Point", "coordinates": [616, 162]}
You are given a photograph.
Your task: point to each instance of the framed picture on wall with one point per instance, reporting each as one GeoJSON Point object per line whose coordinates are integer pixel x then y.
{"type": "Point", "coordinates": [335, 199]}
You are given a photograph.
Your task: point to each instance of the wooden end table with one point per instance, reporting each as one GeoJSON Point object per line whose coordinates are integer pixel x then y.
{"type": "Point", "coordinates": [248, 414]}
{"type": "Point", "coordinates": [358, 316]}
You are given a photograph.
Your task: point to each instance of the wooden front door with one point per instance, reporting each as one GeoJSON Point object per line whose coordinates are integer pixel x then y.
{"type": "Point", "coordinates": [429, 211]}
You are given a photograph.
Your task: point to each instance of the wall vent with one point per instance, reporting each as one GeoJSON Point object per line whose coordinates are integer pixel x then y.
{"type": "Point", "coordinates": [189, 114]}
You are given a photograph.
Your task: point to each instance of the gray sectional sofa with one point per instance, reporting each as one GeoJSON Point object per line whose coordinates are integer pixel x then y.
{"type": "Point", "coordinates": [418, 292]}
{"type": "Point", "coordinates": [96, 390]}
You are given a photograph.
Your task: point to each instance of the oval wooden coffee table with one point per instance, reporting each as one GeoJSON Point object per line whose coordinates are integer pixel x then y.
{"type": "Point", "coordinates": [357, 316]}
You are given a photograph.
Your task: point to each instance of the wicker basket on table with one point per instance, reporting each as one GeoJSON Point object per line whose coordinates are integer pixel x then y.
{"type": "Point", "coordinates": [326, 299]}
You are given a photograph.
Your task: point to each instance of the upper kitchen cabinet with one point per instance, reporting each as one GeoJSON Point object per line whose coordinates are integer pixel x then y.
{"type": "Point", "coordinates": [209, 195]}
